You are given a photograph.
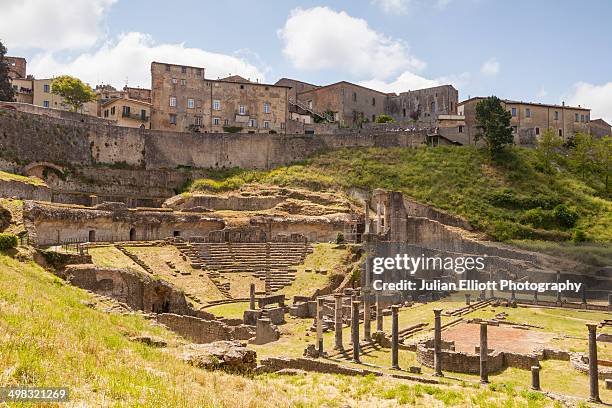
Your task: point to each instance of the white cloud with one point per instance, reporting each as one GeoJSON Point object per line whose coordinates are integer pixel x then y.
{"type": "Point", "coordinates": [408, 81]}
{"type": "Point", "coordinates": [542, 93]}
{"type": "Point", "coordinates": [52, 24]}
{"type": "Point", "coordinates": [321, 38]}
{"type": "Point", "coordinates": [130, 57]}
{"type": "Point", "coordinates": [490, 67]}
{"type": "Point", "coordinates": [392, 6]}
{"type": "Point", "coordinates": [596, 97]}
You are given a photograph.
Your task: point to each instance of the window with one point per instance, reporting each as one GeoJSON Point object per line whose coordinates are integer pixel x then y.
{"type": "Point", "coordinates": [528, 112]}
{"type": "Point", "coordinates": [172, 119]}
{"type": "Point", "coordinates": [560, 132]}
{"type": "Point", "coordinates": [126, 111]}
{"type": "Point", "coordinates": [404, 112]}
{"type": "Point", "coordinates": [586, 117]}
{"type": "Point", "coordinates": [576, 118]}
{"type": "Point", "coordinates": [216, 104]}
{"type": "Point", "coordinates": [242, 110]}
{"type": "Point", "coordinates": [46, 88]}
{"type": "Point", "coordinates": [190, 103]}
{"type": "Point", "coordinates": [112, 111]}
{"type": "Point", "coordinates": [143, 114]}
{"type": "Point", "coordinates": [184, 70]}
{"type": "Point", "coordinates": [167, 67]}
{"type": "Point", "coordinates": [241, 86]}
{"type": "Point", "coordinates": [373, 101]}
{"type": "Point", "coordinates": [537, 131]}
{"type": "Point", "coordinates": [226, 122]}
{"type": "Point", "coordinates": [216, 121]}
{"type": "Point", "coordinates": [354, 96]}
{"type": "Point", "coordinates": [173, 101]}
{"type": "Point", "coordinates": [174, 80]}
{"type": "Point", "coordinates": [266, 108]}
{"type": "Point", "coordinates": [266, 124]}
{"type": "Point", "coordinates": [373, 118]}
{"type": "Point", "coordinates": [513, 112]}
{"type": "Point", "coordinates": [252, 123]}
{"type": "Point", "coordinates": [183, 82]}
{"type": "Point", "coordinates": [198, 121]}
{"type": "Point", "coordinates": [106, 113]}
{"type": "Point", "coordinates": [556, 115]}
{"type": "Point", "coordinates": [582, 118]}
{"type": "Point", "coordinates": [199, 71]}
{"type": "Point", "coordinates": [460, 129]}
{"type": "Point", "coordinates": [514, 129]}
{"type": "Point", "coordinates": [282, 125]}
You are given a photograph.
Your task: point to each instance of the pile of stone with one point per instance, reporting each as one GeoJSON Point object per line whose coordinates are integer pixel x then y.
{"type": "Point", "coordinates": [231, 356]}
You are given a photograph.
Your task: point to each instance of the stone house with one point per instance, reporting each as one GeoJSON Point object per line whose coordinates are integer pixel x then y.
{"type": "Point", "coordinates": [529, 120]}
{"type": "Point", "coordinates": [600, 128]}
{"type": "Point", "coordinates": [347, 103]}
{"type": "Point", "coordinates": [127, 112]}
{"type": "Point", "coordinates": [422, 107]}
{"type": "Point", "coordinates": [184, 100]}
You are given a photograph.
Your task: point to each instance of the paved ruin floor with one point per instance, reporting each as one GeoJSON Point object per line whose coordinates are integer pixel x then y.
{"type": "Point", "coordinates": [467, 336]}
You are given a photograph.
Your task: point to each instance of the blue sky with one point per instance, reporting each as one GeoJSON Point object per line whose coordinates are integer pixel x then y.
{"type": "Point", "coordinates": [544, 50]}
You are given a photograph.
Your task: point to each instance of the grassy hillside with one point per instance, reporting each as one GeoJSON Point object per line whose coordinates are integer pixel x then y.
{"type": "Point", "coordinates": [510, 199]}
{"type": "Point", "coordinates": [51, 337]}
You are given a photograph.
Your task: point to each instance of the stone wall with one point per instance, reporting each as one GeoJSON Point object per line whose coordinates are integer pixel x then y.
{"type": "Point", "coordinates": [204, 331]}
{"type": "Point", "coordinates": [49, 224]}
{"type": "Point", "coordinates": [30, 137]}
{"type": "Point", "coordinates": [24, 191]}
{"type": "Point", "coordinates": [137, 290]}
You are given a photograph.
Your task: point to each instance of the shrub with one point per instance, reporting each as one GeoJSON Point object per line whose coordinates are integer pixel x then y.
{"type": "Point", "coordinates": [384, 119]}
{"type": "Point", "coordinates": [232, 129]}
{"type": "Point", "coordinates": [8, 241]}
{"type": "Point", "coordinates": [579, 236]}
{"type": "Point", "coordinates": [565, 216]}
{"type": "Point", "coordinates": [539, 218]}
{"type": "Point", "coordinates": [340, 238]}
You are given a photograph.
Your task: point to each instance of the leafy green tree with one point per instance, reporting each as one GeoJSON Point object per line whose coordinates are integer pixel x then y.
{"type": "Point", "coordinates": [384, 119]}
{"type": "Point", "coordinates": [73, 90]}
{"type": "Point", "coordinates": [547, 148]}
{"type": "Point", "coordinates": [493, 122]}
{"type": "Point", "coordinates": [603, 160]}
{"type": "Point", "coordinates": [6, 89]}
{"type": "Point", "coordinates": [581, 154]}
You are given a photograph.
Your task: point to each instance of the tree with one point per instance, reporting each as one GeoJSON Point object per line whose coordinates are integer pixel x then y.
{"type": "Point", "coordinates": [493, 121]}
{"type": "Point", "coordinates": [581, 154]}
{"type": "Point", "coordinates": [603, 160]}
{"type": "Point", "coordinates": [384, 119]}
{"type": "Point", "coordinates": [547, 148]}
{"type": "Point", "coordinates": [73, 90]}
{"type": "Point", "coordinates": [6, 89]}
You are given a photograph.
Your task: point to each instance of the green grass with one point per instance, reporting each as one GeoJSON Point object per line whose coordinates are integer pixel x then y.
{"type": "Point", "coordinates": [49, 337]}
{"type": "Point", "coordinates": [590, 253]}
{"type": "Point", "coordinates": [460, 180]}
{"type": "Point", "coordinates": [35, 181]}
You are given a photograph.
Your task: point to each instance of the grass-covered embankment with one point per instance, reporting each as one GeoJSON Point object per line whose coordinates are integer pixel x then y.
{"type": "Point", "coordinates": [511, 198]}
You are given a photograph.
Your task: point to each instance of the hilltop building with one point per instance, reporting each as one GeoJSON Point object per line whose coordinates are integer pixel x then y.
{"type": "Point", "coordinates": [184, 100]}
{"type": "Point", "coordinates": [529, 120]}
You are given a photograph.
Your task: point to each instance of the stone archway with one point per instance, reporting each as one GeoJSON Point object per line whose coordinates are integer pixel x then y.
{"type": "Point", "coordinates": [39, 169]}
{"type": "Point", "coordinates": [132, 234]}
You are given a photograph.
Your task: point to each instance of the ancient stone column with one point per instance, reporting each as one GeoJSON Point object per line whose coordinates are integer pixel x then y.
{"type": "Point", "coordinates": [379, 314]}
{"type": "Point", "coordinates": [355, 331]}
{"type": "Point", "coordinates": [609, 300]}
{"type": "Point", "coordinates": [483, 295]}
{"type": "Point", "coordinates": [593, 370]}
{"type": "Point", "coordinates": [320, 325]}
{"type": "Point", "coordinates": [535, 378]}
{"type": "Point", "coordinates": [338, 320]}
{"type": "Point", "coordinates": [378, 218]}
{"type": "Point", "coordinates": [437, 342]}
{"type": "Point", "coordinates": [584, 297]}
{"type": "Point", "coordinates": [484, 374]}
{"type": "Point", "coordinates": [467, 299]}
{"type": "Point", "coordinates": [512, 295]}
{"type": "Point", "coordinates": [367, 326]}
{"type": "Point", "coordinates": [558, 291]}
{"type": "Point", "coordinates": [395, 337]}
{"type": "Point", "coordinates": [491, 280]}
{"type": "Point", "coordinates": [252, 297]}
{"type": "Point", "coordinates": [535, 297]}
{"type": "Point", "coordinates": [367, 217]}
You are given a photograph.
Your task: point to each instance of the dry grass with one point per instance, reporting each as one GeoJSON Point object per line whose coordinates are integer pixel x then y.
{"type": "Point", "coordinates": [35, 181]}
